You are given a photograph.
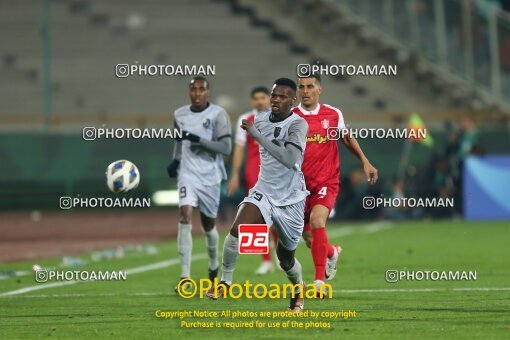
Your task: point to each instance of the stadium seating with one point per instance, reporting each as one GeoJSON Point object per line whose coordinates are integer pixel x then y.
{"type": "Point", "coordinates": [245, 41]}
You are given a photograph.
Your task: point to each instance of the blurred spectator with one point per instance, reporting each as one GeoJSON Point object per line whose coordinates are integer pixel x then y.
{"type": "Point", "coordinates": [442, 175]}
{"type": "Point", "coordinates": [468, 138]}
{"type": "Point", "coordinates": [443, 187]}
{"type": "Point", "coordinates": [505, 5]}
{"type": "Point", "coordinates": [354, 189]}
{"type": "Point", "coordinates": [401, 212]}
{"type": "Point", "coordinates": [467, 144]}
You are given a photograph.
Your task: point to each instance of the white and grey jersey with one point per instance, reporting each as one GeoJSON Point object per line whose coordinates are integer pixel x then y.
{"type": "Point", "coordinates": [282, 185]}
{"type": "Point", "coordinates": [199, 164]}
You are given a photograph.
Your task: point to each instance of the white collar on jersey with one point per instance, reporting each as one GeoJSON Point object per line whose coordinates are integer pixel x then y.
{"type": "Point", "coordinates": [313, 112]}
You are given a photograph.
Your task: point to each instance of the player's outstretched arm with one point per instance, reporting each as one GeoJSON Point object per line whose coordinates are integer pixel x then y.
{"type": "Point", "coordinates": [222, 144]}
{"type": "Point", "coordinates": [353, 146]}
{"type": "Point", "coordinates": [177, 150]}
{"type": "Point", "coordinates": [287, 154]}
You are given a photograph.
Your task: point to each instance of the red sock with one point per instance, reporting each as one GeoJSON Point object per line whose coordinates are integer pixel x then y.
{"type": "Point", "coordinates": [319, 252]}
{"type": "Point", "coordinates": [331, 251]}
{"type": "Point", "coordinates": [266, 257]}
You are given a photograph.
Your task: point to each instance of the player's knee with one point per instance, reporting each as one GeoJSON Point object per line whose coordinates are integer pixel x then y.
{"type": "Point", "coordinates": [317, 222]}
{"type": "Point", "coordinates": [208, 227]}
{"type": "Point", "coordinates": [184, 219]}
{"type": "Point", "coordinates": [234, 230]}
{"type": "Point", "coordinates": [208, 223]}
{"type": "Point", "coordinates": [185, 216]}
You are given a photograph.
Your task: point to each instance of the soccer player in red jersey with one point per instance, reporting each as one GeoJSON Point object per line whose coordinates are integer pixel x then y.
{"type": "Point", "coordinates": [260, 102]}
{"type": "Point", "coordinates": [321, 168]}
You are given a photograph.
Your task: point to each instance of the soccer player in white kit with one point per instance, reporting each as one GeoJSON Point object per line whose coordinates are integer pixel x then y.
{"type": "Point", "coordinates": [278, 198]}
{"type": "Point", "coordinates": [199, 168]}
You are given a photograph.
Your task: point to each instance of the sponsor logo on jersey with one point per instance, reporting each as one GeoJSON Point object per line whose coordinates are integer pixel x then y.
{"type": "Point", "coordinates": [317, 138]}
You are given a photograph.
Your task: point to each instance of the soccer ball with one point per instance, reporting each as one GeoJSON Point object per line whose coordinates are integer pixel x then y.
{"type": "Point", "coordinates": [122, 176]}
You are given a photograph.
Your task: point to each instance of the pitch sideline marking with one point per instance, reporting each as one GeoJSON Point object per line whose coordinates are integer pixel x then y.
{"type": "Point", "coordinates": [344, 231]}
{"type": "Point", "coordinates": [136, 270]}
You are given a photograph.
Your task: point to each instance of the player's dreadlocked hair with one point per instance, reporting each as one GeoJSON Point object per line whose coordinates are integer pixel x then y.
{"type": "Point", "coordinates": [286, 82]}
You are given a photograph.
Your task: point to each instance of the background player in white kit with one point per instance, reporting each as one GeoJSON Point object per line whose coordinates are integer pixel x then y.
{"type": "Point", "coordinates": [199, 168]}
{"type": "Point", "coordinates": [278, 198]}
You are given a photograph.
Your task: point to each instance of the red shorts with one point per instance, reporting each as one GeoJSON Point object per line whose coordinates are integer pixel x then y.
{"type": "Point", "coordinates": [325, 195]}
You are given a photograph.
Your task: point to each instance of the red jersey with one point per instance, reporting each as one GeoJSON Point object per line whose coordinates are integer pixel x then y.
{"type": "Point", "coordinates": [243, 138]}
{"type": "Point", "coordinates": [321, 163]}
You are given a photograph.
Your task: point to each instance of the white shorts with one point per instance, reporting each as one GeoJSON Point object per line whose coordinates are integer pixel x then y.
{"type": "Point", "coordinates": [205, 197]}
{"type": "Point", "coordinates": [287, 221]}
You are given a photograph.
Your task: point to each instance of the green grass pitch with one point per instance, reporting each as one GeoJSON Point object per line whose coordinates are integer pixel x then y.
{"type": "Point", "coordinates": [413, 309]}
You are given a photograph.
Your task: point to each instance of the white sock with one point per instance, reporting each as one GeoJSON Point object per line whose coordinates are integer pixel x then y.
{"type": "Point", "coordinates": [230, 253]}
{"type": "Point", "coordinates": [295, 274]}
{"type": "Point", "coordinates": [184, 245]}
{"type": "Point", "coordinates": [211, 241]}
